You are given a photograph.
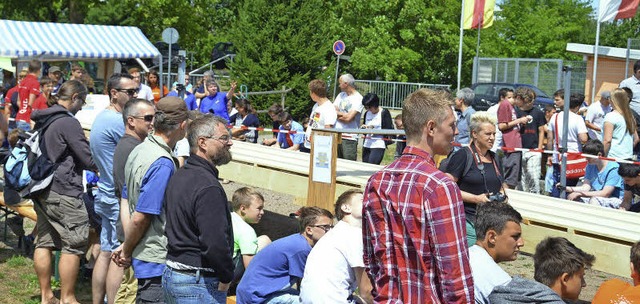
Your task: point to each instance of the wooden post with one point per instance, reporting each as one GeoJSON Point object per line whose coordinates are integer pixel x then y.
{"type": "Point", "coordinates": [322, 184]}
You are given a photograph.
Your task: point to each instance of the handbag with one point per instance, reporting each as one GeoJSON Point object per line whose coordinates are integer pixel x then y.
{"type": "Point", "coordinates": [576, 164]}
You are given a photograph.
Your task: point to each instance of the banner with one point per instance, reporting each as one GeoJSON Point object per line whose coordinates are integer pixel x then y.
{"type": "Point", "coordinates": [610, 10]}
{"type": "Point", "coordinates": [479, 13]}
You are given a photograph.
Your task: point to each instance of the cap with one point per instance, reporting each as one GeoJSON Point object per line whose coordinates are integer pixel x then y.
{"type": "Point", "coordinates": [54, 69]}
{"type": "Point", "coordinates": [173, 108]}
{"type": "Point", "coordinates": [605, 94]}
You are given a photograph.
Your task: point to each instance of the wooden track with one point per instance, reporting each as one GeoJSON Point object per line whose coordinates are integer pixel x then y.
{"type": "Point", "coordinates": [606, 233]}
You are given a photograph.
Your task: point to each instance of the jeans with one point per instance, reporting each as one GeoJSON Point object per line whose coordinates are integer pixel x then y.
{"type": "Point", "coordinates": [555, 192]}
{"type": "Point", "coordinates": [285, 296]}
{"type": "Point", "coordinates": [531, 172]}
{"type": "Point", "coordinates": [23, 125]}
{"type": "Point", "coordinates": [186, 288]}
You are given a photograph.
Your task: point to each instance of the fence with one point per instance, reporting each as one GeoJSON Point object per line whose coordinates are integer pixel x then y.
{"type": "Point", "coordinates": [546, 74]}
{"type": "Point", "coordinates": [392, 94]}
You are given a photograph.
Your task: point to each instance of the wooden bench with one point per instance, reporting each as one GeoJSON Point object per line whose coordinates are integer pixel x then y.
{"type": "Point", "coordinates": [605, 233]}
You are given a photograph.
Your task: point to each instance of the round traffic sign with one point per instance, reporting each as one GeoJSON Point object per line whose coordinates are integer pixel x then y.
{"type": "Point", "coordinates": [170, 35]}
{"type": "Point", "coordinates": [338, 47]}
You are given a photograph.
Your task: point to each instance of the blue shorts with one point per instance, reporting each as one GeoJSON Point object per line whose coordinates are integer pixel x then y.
{"type": "Point", "coordinates": [109, 212]}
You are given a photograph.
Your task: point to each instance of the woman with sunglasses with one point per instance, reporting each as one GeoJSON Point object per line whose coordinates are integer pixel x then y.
{"type": "Point", "coordinates": [63, 223]}
{"type": "Point", "coordinates": [153, 79]}
{"type": "Point", "coordinates": [477, 171]}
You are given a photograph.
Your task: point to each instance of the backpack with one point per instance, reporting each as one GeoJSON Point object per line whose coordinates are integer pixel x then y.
{"type": "Point", "coordinates": [28, 169]}
{"type": "Point", "coordinates": [467, 166]}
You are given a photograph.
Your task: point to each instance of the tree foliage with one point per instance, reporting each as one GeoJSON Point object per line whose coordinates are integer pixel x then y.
{"type": "Point", "coordinates": [282, 42]}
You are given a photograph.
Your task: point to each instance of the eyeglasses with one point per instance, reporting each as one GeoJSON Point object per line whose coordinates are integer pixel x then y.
{"type": "Point", "coordinates": [323, 227]}
{"type": "Point", "coordinates": [147, 118]}
{"type": "Point", "coordinates": [129, 92]}
{"type": "Point", "coordinates": [225, 139]}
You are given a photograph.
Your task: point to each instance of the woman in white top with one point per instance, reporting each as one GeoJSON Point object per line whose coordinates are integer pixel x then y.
{"type": "Point", "coordinates": [374, 118]}
{"type": "Point", "coordinates": [619, 130]}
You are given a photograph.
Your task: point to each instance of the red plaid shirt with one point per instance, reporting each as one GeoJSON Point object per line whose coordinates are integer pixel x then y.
{"type": "Point", "coordinates": [414, 232]}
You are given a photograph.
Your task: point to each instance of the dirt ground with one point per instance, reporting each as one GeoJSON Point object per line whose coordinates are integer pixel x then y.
{"type": "Point", "coordinates": [523, 266]}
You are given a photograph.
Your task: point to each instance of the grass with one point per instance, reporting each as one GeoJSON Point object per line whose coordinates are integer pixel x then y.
{"type": "Point", "coordinates": [19, 280]}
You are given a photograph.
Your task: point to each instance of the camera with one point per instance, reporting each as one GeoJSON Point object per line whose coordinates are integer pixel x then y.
{"type": "Point", "coordinates": [497, 197]}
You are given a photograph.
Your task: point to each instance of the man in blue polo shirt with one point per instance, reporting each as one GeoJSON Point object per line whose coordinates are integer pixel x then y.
{"type": "Point", "coordinates": [216, 102]}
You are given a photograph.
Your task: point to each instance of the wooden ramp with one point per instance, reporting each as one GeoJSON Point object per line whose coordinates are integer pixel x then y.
{"type": "Point", "coordinates": [606, 233]}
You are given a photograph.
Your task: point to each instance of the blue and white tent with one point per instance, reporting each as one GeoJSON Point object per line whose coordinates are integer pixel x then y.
{"type": "Point", "coordinates": [50, 41]}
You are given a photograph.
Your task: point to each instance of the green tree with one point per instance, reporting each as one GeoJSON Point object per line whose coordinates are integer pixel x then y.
{"type": "Point", "coordinates": [538, 29]}
{"type": "Point", "coordinates": [616, 33]}
{"type": "Point", "coordinates": [282, 42]}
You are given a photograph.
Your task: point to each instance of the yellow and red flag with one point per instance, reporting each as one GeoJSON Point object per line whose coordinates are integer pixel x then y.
{"type": "Point", "coordinates": [478, 13]}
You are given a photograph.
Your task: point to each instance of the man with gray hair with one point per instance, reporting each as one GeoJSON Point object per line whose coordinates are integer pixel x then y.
{"type": "Point", "coordinates": [464, 99]}
{"type": "Point", "coordinates": [201, 91]}
{"type": "Point", "coordinates": [147, 172]}
{"type": "Point", "coordinates": [200, 253]}
{"type": "Point", "coordinates": [348, 107]}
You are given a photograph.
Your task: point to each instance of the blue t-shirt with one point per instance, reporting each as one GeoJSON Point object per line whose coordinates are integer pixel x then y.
{"type": "Point", "coordinates": [189, 99]}
{"type": "Point", "coordinates": [150, 201]}
{"type": "Point", "coordinates": [251, 120]}
{"type": "Point", "coordinates": [608, 177]}
{"type": "Point", "coordinates": [216, 104]}
{"type": "Point", "coordinates": [297, 138]}
{"type": "Point", "coordinates": [106, 131]}
{"type": "Point", "coordinates": [275, 267]}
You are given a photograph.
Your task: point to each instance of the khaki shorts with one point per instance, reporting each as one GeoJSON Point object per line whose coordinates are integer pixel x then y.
{"type": "Point", "coordinates": [62, 223]}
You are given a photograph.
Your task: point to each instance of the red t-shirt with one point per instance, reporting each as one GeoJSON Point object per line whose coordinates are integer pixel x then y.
{"type": "Point", "coordinates": [7, 98]}
{"type": "Point", "coordinates": [40, 103]}
{"type": "Point", "coordinates": [29, 85]}
{"type": "Point", "coordinates": [511, 137]}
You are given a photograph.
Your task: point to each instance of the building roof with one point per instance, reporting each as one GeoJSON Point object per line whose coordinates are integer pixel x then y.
{"type": "Point", "coordinates": [603, 51]}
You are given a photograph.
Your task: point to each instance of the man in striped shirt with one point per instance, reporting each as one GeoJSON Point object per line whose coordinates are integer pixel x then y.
{"type": "Point", "coordinates": [415, 249]}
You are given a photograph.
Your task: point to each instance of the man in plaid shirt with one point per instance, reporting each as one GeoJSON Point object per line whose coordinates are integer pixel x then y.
{"type": "Point", "coordinates": [415, 248]}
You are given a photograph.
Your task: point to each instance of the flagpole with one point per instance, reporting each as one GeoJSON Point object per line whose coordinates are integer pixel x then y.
{"type": "Point", "coordinates": [595, 62]}
{"type": "Point", "coordinates": [460, 45]}
{"type": "Point", "coordinates": [480, 24]}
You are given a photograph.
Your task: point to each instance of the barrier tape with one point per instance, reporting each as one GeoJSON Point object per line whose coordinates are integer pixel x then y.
{"type": "Point", "coordinates": [542, 151]}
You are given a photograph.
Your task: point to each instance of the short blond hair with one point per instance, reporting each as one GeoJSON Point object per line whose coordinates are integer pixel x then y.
{"type": "Point", "coordinates": [480, 118]}
{"type": "Point", "coordinates": [422, 106]}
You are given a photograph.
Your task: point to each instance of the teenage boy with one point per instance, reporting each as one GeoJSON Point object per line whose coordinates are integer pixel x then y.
{"type": "Point", "coordinates": [499, 239]}
{"type": "Point", "coordinates": [619, 291]}
{"type": "Point", "coordinates": [509, 124]}
{"type": "Point", "coordinates": [335, 267]}
{"type": "Point", "coordinates": [630, 174]}
{"type": "Point", "coordinates": [323, 114]}
{"type": "Point", "coordinates": [287, 140]}
{"type": "Point", "coordinates": [559, 273]}
{"type": "Point", "coordinates": [533, 133]}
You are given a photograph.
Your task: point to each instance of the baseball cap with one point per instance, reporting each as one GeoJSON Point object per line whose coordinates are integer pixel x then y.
{"type": "Point", "coordinates": [54, 69]}
{"type": "Point", "coordinates": [173, 108]}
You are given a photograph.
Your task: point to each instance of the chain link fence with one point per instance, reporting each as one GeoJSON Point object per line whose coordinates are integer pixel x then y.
{"type": "Point", "coordinates": [391, 93]}
{"type": "Point", "coordinates": [546, 74]}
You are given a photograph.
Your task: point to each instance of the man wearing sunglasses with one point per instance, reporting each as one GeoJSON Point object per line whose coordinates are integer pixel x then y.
{"type": "Point", "coordinates": [275, 272]}
{"type": "Point", "coordinates": [106, 131]}
{"type": "Point", "coordinates": [138, 115]}
{"type": "Point", "coordinates": [147, 172]}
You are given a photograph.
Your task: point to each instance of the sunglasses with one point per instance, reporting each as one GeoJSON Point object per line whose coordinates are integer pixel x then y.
{"type": "Point", "coordinates": [147, 118]}
{"type": "Point", "coordinates": [129, 92]}
{"type": "Point", "coordinates": [323, 227]}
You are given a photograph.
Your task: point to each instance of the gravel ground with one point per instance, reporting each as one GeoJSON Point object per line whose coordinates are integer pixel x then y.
{"type": "Point", "coordinates": [523, 266]}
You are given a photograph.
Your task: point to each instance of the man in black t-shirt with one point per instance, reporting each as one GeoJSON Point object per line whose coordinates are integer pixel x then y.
{"type": "Point", "coordinates": [532, 135]}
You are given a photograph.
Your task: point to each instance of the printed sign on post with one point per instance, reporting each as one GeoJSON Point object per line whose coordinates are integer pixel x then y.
{"type": "Point", "coordinates": [322, 158]}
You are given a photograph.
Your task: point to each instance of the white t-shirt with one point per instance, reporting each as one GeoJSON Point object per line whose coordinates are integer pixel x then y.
{"type": "Point", "coordinates": [487, 274]}
{"type": "Point", "coordinates": [375, 121]}
{"type": "Point", "coordinates": [576, 126]}
{"type": "Point", "coordinates": [182, 148]}
{"type": "Point", "coordinates": [328, 275]}
{"type": "Point", "coordinates": [320, 116]}
{"type": "Point", "coordinates": [345, 103]}
{"type": "Point", "coordinates": [493, 111]}
{"type": "Point", "coordinates": [595, 115]}
{"type": "Point", "coordinates": [145, 92]}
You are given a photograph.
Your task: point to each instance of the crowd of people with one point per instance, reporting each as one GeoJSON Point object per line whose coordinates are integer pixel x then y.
{"type": "Point", "coordinates": [417, 233]}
